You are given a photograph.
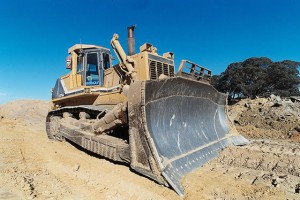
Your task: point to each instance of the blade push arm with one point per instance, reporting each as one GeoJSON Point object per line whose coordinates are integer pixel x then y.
{"type": "Point", "coordinates": [126, 62]}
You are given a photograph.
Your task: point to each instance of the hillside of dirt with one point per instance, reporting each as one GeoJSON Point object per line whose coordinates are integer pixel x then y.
{"type": "Point", "coordinates": [33, 167]}
{"type": "Point", "coordinates": [30, 112]}
{"type": "Point", "coordinates": [270, 118]}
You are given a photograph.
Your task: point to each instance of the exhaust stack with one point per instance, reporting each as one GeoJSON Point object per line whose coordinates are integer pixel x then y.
{"type": "Point", "coordinates": [130, 40]}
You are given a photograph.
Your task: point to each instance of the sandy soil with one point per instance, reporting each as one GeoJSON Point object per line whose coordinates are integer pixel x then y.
{"type": "Point", "coordinates": [33, 167]}
{"type": "Point", "coordinates": [261, 170]}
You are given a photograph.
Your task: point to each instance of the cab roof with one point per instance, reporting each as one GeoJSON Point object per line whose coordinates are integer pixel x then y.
{"type": "Point", "coordinates": [84, 46]}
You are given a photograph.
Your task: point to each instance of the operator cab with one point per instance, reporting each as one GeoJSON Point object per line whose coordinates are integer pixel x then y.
{"type": "Point", "coordinates": [91, 62]}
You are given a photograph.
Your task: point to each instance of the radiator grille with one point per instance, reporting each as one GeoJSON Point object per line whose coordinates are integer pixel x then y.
{"type": "Point", "coordinates": [157, 68]}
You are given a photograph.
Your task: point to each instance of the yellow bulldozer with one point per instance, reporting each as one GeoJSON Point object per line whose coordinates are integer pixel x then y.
{"type": "Point", "coordinates": [140, 112]}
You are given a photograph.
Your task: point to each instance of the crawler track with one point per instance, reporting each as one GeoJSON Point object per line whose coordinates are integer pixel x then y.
{"type": "Point", "coordinates": [107, 145]}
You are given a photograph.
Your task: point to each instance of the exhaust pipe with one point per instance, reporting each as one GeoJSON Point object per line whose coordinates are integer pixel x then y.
{"type": "Point", "coordinates": [130, 40]}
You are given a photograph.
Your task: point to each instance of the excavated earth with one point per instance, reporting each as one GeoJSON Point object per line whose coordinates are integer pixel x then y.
{"type": "Point", "coordinates": [32, 167]}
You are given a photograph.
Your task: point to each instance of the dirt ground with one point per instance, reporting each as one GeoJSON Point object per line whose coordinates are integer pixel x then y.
{"type": "Point", "coordinates": [33, 167]}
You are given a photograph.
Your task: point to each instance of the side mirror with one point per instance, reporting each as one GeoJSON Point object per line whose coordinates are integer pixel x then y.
{"type": "Point", "coordinates": [69, 62]}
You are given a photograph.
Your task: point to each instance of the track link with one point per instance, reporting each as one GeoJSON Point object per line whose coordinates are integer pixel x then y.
{"type": "Point", "coordinates": [106, 145]}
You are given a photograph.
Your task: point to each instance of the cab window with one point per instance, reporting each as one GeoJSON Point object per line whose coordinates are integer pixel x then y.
{"type": "Point", "coordinates": [106, 61]}
{"type": "Point", "coordinates": [92, 69]}
{"type": "Point", "coordinates": [79, 64]}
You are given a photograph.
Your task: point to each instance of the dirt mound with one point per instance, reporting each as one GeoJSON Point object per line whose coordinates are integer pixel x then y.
{"type": "Point", "coordinates": [31, 112]}
{"type": "Point", "coordinates": [267, 118]}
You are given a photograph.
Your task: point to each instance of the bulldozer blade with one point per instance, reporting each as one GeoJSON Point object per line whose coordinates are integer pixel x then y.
{"type": "Point", "coordinates": [186, 125]}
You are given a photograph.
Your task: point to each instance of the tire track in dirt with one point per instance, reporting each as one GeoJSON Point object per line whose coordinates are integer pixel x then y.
{"type": "Point", "coordinates": [264, 169]}
{"type": "Point", "coordinates": [277, 161]}
{"type": "Point", "coordinates": [271, 163]}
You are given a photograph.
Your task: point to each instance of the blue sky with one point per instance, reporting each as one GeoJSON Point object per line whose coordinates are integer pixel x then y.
{"type": "Point", "coordinates": [35, 34]}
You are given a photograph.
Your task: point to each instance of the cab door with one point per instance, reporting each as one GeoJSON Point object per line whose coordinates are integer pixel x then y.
{"type": "Point", "coordinates": [92, 69]}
